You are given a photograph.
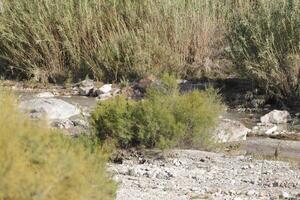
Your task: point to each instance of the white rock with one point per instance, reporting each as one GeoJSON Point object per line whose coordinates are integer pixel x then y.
{"type": "Point", "coordinates": [285, 195]}
{"type": "Point", "coordinates": [85, 91]}
{"type": "Point", "coordinates": [45, 95]}
{"type": "Point", "coordinates": [272, 130]}
{"type": "Point", "coordinates": [251, 193]}
{"type": "Point", "coordinates": [86, 87]}
{"type": "Point", "coordinates": [51, 108]}
{"type": "Point", "coordinates": [103, 97]}
{"type": "Point", "coordinates": [87, 83]}
{"type": "Point", "coordinates": [106, 88]}
{"type": "Point", "coordinates": [276, 117]}
{"type": "Point", "coordinates": [230, 131]}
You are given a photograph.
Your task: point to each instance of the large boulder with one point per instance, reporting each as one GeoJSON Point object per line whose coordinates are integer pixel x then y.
{"type": "Point", "coordinates": [276, 117]}
{"type": "Point", "coordinates": [50, 108]}
{"type": "Point", "coordinates": [231, 131]}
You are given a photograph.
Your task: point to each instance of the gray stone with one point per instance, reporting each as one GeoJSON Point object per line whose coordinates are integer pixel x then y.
{"type": "Point", "coordinates": [85, 91]}
{"type": "Point", "coordinates": [81, 122]}
{"type": "Point", "coordinates": [51, 108]}
{"type": "Point", "coordinates": [135, 172]}
{"type": "Point", "coordinates": [63, 124]}
{"type": "Point", "coordinates": [231, 131]}
{"type": "Point", "coordinates": [87, 83]}
{"type": "Point", "coordinates": [276, 117]}
{"type": "Point", "coordinates": [86, 87]}
{"type": "Point", "coordinates": [96, 92]}
{"type": "Point", "coordinates": [272, 130]}
{"type": "Point", "coordinates": [45, 95]}
{"type": "Point", "coordinates": [107, 88]}
{"type": "Point", "coordinates": [103, 97]}
{"type": "Point", "coordinates": [251, 193]}
{"type": "Point", "coordinates": [285, 195]}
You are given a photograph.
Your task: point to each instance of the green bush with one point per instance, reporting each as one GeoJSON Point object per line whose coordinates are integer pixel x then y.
{"type": "Point", "coordinates": [163, 119]}
{"type": "Point", "coordinates": [265, 46]}
{"type": "Point", "coordinates": [39, 163]}
{"type": "Point", "coordinates": [107, 40]}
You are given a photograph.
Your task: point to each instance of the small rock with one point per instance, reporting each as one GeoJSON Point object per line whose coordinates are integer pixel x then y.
{"type": "Point", "coordinates": [135, 172]}
{"type": "Point", "coordinates": [141, 160]}
{"type": "Point", "coordinates": [87, 83]}
{"type": "Point", "coordinates": [103, 97]}
{"type": "Point", "coordinates": [75, 91]}
{"type": "Point", "coordinates": [231, 131]}
{"type": "Point", "coordinates": [256, 103]}
{"type": "Point", "coordinates": [96, 92]}
{"type": "Point", "coordinates": [285, 195]}
{"type": "Point", "coordinates": [63, 124]}
{"type": "Point", "coordinates": [177, 162]}
{"type": "Point", "coordinates": [107, 88]}
{"type": "Point", "coordinates": [86, 91]}
{"type": "Point", "coordinates": [80, 122]}
{"type": "Point", "coordinates": [276, 184]}
{"type": "Point", "coordinates": [276, 117]}
{"type": "Point", "coordinates": [164, 175]}
{"type": "Point", "coordinates": [272, 130]}
{"type": "Point", "coordinates": [45, 95]}
{"type": "Point", "coordinates": [251, 193]}
{"type": "Point", "coordinates": [86, 87]}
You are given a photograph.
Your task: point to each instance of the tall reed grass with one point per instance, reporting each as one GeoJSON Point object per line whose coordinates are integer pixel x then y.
{"type": "Point", "coordinates": [108, 40]}
{"type": "Point", "coordinates": [265, 46]}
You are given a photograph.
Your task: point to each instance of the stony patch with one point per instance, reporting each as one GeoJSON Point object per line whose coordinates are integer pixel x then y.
{"type": "Point", "coordinates": [192, 174]}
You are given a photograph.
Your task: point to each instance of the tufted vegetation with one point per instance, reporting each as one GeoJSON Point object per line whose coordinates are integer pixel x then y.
{"type": "Point", "coordinates": [39, 163]}
{"type": "Point", "coordinates": [164, 119]}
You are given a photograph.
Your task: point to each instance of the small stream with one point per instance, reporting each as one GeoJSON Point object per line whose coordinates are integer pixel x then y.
{"type": "Point", "coordinates": [253, 145]}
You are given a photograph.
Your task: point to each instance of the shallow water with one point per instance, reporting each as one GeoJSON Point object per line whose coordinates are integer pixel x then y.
{"type": "Point", "coordinates": [251, 119]}
{"type": "Point", "coordinates": [253, 145]}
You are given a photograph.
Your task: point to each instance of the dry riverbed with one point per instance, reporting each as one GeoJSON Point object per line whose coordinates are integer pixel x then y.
{"type": "Point", "coordinates": [192, 174]}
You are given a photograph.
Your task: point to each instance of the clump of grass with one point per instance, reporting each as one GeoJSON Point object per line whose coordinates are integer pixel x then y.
{"type": "Point", "coordinates": [163, 119]}
{"type": "Point", "coordinates": [39, 163]}
{"type": "Point", "coordinates": [264, 46]}
{"type": "Point", "coordinates": [107, 40]}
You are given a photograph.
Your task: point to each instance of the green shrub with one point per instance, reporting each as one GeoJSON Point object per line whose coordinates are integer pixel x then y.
{"type": "Point", "coordinates": [39, 163]}
{"type": "Point", "coordinates": [108, 40]}
{"type": "Point", "coordinates": [163, 119]}
{"type": "Point", "coordinates": [265, 46]}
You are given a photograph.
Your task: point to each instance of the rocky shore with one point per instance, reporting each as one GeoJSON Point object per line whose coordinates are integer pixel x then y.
{"type": "Point", "coordinates": [192, 174]}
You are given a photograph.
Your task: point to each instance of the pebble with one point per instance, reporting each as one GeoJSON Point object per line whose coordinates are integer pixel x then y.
{"type": "Point", "coordinates": [285, 195]}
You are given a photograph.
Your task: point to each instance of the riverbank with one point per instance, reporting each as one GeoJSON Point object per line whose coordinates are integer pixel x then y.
{"type": "Point", "coordinates": [257, 168]}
